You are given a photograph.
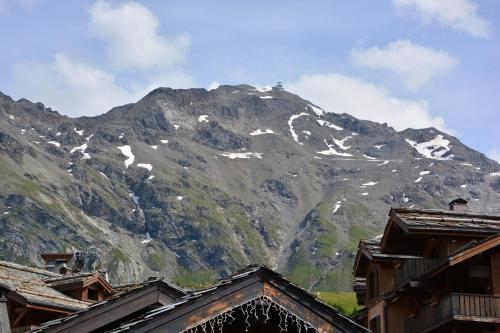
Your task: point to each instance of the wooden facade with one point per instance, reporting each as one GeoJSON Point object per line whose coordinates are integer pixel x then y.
{"type": "Point", "coordinates": [431, 271]}
{"type": "Point", "coordinates": [31, 296]}
{"type": "Point", "coordinates": [253, 300]}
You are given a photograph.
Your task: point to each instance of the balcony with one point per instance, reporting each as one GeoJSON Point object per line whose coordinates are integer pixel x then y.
{"type": "Point", "coordinates": [455, 307]}
{"type": "Point", "coordinates": [414, 269]}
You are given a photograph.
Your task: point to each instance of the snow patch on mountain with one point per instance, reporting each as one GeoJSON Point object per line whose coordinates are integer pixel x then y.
{"type": "Point", "coordinates": [79, 132]}
{"type": "Point", "coordinates": [336, 207]}
{"type": "Point", "coordinates": [127, 152]}
{"type": "Point", "coordinates": [203, 118]}
{"type": "Point", "coordinates": [433, 149]}
{"type": "Point", "coordinates": [260, 132]}
{"type": "Point", "coordinates": [290, 125]}
{"type": "Point", "coordinates": [245, 155]}
{"type": "Point", "coordinates": [147, 240]}
{"type": "Point", "coordinates": [319, 111]}
{"type": "Point", "coordinates": [369, 157]}
{"type": "Point", "coordinates": [147, 166]}
{"type": "Point", "coordinates": [340, 143]}
{"type": "Point", "coordinates": [263, 89]}
{"type": "Point", "coordinates": [55, 143]}
{"type": "Point", "coordinates": [83, 148]}
{"type": "Point", "coordinates": [325, 123]}
{"type": "Point", "coordinates": [332, 151]}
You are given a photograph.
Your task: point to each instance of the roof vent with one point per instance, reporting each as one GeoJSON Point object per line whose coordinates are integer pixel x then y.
{"type": "Point", "coordinates": [458, 204]}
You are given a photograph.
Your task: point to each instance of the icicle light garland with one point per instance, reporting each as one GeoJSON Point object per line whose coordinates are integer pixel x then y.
{"type": "Point", "coordinates": [249, 310]}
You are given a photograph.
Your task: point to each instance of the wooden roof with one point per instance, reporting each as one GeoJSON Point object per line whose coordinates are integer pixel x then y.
{"type": "Point", "coordinates": [247, 289]}
{"type": "Point", "coordinates": [467, 252]}
{"type": "Point", "coordinates": [422, 223]}
{"type": "Point", "coordinates": [370, 250]}
{"type": "Point", "coordinates": [27, 286]}
{"type": "Point", "coordinates": [79, 280]}
{"type": "Point", "coordinates": [130, 299]}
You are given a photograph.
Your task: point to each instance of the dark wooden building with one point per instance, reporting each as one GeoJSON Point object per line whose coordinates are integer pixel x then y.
{"type": "Point", "coordinates": [30, 296]}
{"type": "Point", "coordinates": [253, 300]}
{"type": "Point", "coordinates": [431, 271]}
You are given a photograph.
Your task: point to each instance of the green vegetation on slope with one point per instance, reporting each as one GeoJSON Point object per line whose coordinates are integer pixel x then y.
{"type": "Point", "coordinates": [195, 280]}
{"type": "Point", "coordinates": [344, 302]}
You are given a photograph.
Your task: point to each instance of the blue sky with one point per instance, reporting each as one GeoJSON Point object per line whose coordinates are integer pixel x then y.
{"type": "Point", "coordinates": [410, 63]}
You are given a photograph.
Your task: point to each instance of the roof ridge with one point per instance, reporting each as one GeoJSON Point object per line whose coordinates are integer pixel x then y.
{"type": "Point", "coordinates": [28, 269]}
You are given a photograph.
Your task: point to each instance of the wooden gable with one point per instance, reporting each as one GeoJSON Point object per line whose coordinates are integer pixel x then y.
{"type": "Point", "coordinates": [257, 300]}
{"type": "Point", "coordinates": [106, 315]}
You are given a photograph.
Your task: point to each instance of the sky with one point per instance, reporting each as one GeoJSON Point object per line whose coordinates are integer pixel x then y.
{"type": "Point", "coordinates": [408, 63]}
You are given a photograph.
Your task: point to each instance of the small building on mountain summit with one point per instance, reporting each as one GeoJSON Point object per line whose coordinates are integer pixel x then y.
{"type": "Point", "coordinates": [431, 271]}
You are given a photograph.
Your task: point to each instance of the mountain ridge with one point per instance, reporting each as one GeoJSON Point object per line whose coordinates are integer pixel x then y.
{"type": "Point", "coordinates": [219, 179]}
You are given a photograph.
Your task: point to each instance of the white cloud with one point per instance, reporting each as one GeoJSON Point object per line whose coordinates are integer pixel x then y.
{"type": "Point", "coordinates": [344, 94]}
{"type": "Point", "coordinates": [457, 14]}
{"type": "Point", "coordinates": [77, 88]}
{"type": "Point", "coordinates": [213, 85]}
{"type": "Point", "coordinates": [131, 31]}
{"type": "Point", "coordinates": [74, 88]}
{"type": "Point", "coordinates": [494, 154]}
{"type": "Point", "coordinates": [414, 64]}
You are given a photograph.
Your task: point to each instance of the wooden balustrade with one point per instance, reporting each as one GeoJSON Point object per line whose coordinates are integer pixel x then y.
{"type": "Point", "coordinates": [414, 269]}
{"type": "Point", "coordinates": [465, 307]}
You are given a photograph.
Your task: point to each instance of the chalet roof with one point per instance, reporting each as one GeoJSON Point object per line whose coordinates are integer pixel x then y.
{"type": "Point", "coordinates": [422, 222]}
{"type": "Point", "coordinates": [29, 285]}
{"type": "Point", "coordinates": [174, 310]}
{"type": "Point", "coordinates": [469, 250]}
{"type": "Point", "coordinates": [122, 294]}
{"type": "Point", "coordinates": [414, 220]}
{"type": "Point", "coordinates": [370, 249]}
{"type": "Point", "coordinates": [79, 278]}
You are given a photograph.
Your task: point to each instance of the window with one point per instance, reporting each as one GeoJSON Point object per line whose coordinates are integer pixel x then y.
{"type": "Point", "coordinates": [92, 295]}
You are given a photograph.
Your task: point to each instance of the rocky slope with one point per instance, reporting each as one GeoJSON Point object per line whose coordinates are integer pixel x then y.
{"type": "Point", "coordinates": [193, 183]}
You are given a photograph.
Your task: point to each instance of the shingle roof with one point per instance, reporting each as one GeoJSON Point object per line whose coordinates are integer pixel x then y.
{"type": "Point", "coordinates": [371, 249]}
{"type": "Point", "coordinates": [119, 291]}
{"type": "Point", "coordinates": [29, 283]}
{"type": "Point", "coordinates": [247, 272]}
{"type": "Point", "coordinates": [414, 220]}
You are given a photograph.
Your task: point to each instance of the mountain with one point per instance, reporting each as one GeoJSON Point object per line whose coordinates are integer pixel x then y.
{"type": "Point", "coordinates": [193, 184]}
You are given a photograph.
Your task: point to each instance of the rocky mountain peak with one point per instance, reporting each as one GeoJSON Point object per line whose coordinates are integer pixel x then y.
{"type": "Point", "coordinates": [190, 180]}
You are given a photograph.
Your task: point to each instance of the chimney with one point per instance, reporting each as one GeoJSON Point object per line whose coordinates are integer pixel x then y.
{"type": "Point", "coordinates": [458, 204]}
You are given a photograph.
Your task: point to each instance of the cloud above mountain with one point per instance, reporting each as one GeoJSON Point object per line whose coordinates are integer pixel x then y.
{"type": "Point", "coordinates": [365, 100]}
{"type": "Point", "coordinates": [132, 43]}
{"type": "Point", "coordinates": [457, 14]}
{"type": "Point", "coordinates": [130, 31]}
{"type": "Point", "coordinates": [415, 65]}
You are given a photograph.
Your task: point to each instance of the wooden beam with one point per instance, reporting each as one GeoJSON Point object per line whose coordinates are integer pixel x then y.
{"type": "Point", "coordinates": [495, 272]}
{"type": "Point", "coordinates": [292, 306]}
{"type": "Point", "coordinates": [114, 310]}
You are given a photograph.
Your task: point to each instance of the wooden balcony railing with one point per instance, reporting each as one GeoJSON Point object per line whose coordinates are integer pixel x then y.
{"type": "Point", "coordinates": [465, 307]}
{"type": "Point", "coordinates": [414, 269]}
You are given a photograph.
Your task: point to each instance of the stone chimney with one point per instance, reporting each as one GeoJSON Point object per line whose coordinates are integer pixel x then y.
{"type": "Point", "coordinates": [458, 204]}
